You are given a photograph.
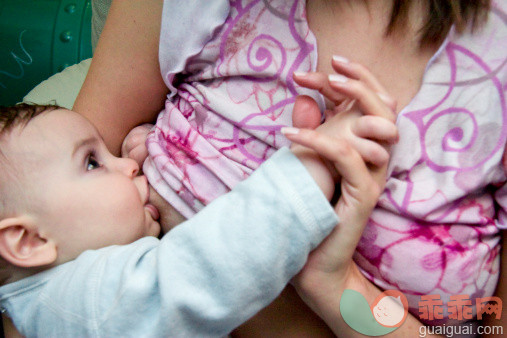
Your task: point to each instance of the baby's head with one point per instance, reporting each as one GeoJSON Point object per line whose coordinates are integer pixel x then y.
{"type": "Point", "coordinates": [62, 192]}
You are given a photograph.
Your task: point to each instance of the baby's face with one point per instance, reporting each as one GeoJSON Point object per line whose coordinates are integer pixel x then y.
{"type": "Point", "coordinates": [80, 195]}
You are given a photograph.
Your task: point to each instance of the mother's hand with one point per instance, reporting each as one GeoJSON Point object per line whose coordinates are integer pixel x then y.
{"type": "Point", "coordinates": [364, 116]}
{"type": "Point", "coordinates": [368, 126]}
{"type": "Point", "coordinates": [330, 268]}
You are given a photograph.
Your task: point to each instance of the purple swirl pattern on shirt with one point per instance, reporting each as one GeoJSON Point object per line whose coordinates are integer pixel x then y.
{"type": "Point", "coordinates": [435, 229]}
{"type": "Point", "coordinates": [457, 139]}
{"type": "Point", "coordinates": [232, 100]}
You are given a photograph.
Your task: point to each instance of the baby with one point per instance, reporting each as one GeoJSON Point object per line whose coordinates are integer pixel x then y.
{"type": "Point", "coordinates": [78, 236]}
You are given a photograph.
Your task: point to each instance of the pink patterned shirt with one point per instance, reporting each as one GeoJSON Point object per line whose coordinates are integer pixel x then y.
{"type": "Point", "coordinates": [435, 229]}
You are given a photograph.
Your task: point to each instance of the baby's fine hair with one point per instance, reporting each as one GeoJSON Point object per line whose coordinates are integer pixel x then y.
{"type": "Point", "coordinates": [12, 117]}
{"type": "Point", "coordinates": [20, 114]}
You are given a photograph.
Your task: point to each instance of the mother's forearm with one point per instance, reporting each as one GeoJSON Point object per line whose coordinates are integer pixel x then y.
{"type": "Point", "coordinates": [124, 87]}
{"type": "Point", "coordinates": [325, 301]}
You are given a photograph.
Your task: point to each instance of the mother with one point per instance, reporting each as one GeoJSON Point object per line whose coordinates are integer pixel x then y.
{"type": "Point", "coordinates": [445, 197]}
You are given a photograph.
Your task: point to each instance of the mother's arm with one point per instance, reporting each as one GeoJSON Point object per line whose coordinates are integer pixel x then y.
{"type": "Point", "coordinates": [124, 87]}
{"type": "Point", "coordinates": [330, 270]}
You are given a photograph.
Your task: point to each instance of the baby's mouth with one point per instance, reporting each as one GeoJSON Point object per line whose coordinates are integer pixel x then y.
{"type": "Point", "coordinates": [155, 214]}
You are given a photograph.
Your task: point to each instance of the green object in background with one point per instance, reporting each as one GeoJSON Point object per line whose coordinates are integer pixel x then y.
{"type": "Point", "coordinates": [39, 38]}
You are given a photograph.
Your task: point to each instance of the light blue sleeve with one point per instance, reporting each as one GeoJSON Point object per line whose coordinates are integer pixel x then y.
{"type": "Point", "coordinates": [205, 277]}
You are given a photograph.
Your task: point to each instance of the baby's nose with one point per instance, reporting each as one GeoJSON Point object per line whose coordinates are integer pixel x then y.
{"type": "Point", "coordinates": [128, 166]}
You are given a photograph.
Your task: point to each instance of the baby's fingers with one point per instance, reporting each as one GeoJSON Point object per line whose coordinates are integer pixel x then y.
{"type": "Point", "coordinates": [136, 137]}
{"type": "Point", "coordinates": [134, 144]}
{"type": "Point", "coordinates": [319, 81]}
{"type": "Point", "coordinates": [371, 152]}
{"type": "Point", "coordinates": [375, 128]}
{"type": "Point", "coordinates": [344, 157]}
{"type": "Point", "coordinates": [138, 154]}
{"type": "Point", "coordinates": [306, 113]}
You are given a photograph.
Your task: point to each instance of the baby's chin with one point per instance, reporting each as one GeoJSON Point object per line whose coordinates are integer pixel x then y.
{"type": "Point", "coordinates": [169, 217]}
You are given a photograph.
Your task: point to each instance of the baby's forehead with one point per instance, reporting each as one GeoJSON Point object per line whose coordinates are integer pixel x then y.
{"type": "Point", "coordinates": [45, 136]}
{"type": "Point", "coordinates": [58, 122]}
{"type": "Point", "coordinates": [58, 119]}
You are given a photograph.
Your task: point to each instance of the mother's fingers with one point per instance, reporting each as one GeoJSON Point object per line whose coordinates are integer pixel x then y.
{"type": "Point", "coordinates": [357, 71]}
{"type": "Point", "coordinates": [342, 90]}
{"type": "Point", "coordinates": [319, 81]}
{"type": "Point", "coordinates": [370, 102]}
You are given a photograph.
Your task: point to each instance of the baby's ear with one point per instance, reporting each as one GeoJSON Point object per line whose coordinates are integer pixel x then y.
{"type": "Point", "coordinates": [22, 245]}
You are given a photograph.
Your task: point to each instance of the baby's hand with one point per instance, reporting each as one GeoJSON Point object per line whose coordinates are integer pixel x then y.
{"type": "Point", "coordinates": [134, 144]}
{"type": "Point", "coordinates": [366, 109]}
{"type": "Point", "coordinates": [363, 114]}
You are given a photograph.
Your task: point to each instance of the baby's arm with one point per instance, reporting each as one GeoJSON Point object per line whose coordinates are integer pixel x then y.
{"type": "Point", "coordinates": [214, 272]}
{"type": "Point", "coordinates": [206, 276]}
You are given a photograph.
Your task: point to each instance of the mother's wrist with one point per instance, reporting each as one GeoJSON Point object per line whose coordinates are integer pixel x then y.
{"type": "Point", "coordinates": [321, 290]}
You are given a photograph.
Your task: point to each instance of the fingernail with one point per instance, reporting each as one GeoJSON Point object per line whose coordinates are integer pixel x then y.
{"type": "Point", "coordinates": [385, 98]}
{"type": "Point", "coordinates": [341, 59]}
{"type": "Point", "coordinates": [388, 100]}
{"type": "Point", "coordinates": [289, 130]}
{"type": "Point", "coordinates": [300, 73]}
{"type": "Point", "coordinates": [338, 78]}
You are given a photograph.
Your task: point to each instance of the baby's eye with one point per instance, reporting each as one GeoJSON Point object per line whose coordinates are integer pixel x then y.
{"type": "Point", "coordinates": [92, 163]}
